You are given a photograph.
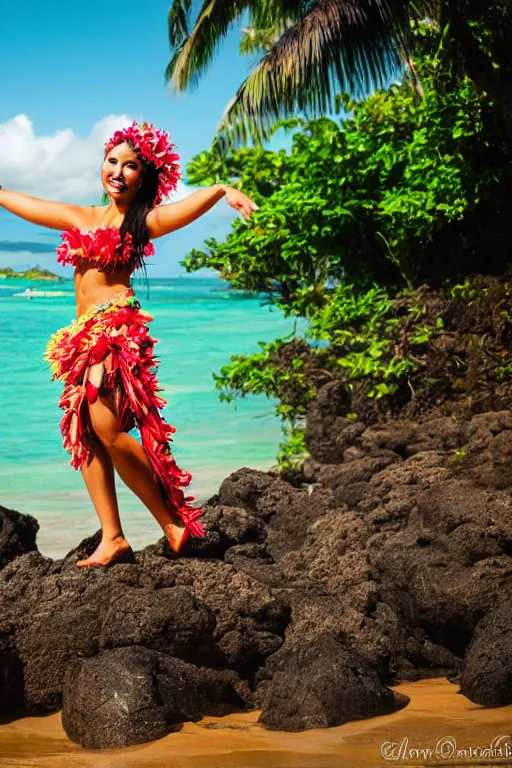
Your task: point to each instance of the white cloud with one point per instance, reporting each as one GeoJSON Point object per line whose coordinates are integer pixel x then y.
{"type": "Point", "coordinates": [62, 166]}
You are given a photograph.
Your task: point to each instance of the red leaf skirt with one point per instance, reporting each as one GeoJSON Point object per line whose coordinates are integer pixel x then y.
{"type": "Point", "coordinates": [109, 349]}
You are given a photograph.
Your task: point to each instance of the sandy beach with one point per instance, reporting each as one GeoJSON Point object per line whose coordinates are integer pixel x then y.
{"type": "Point", "coordinates": [436, 715]}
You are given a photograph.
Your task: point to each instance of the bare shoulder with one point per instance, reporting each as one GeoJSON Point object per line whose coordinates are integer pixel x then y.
{"type": "Point", "coordinates": [165, 218]}
{"type": "Point", "coordinates": [153, 222]}
{"type": "Point", "coordinates": [89, 216]}
{"type": "Point", "coordinates": [77, 216]}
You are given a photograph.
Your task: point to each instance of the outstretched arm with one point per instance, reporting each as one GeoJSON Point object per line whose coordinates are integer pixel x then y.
{"type": "Point", "coordinates": [166, 218]}
{"type": "Point", "coordinates": [43, 212]}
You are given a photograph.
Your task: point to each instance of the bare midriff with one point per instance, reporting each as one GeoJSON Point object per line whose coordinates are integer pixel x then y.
{"type": "Point", "coordinates": [93, 287]}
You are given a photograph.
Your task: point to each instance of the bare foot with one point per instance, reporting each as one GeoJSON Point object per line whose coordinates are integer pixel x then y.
{"type": "Point", "coordinates": [176, 535]}
{"type": "Point", "coordinates": [105, 552]}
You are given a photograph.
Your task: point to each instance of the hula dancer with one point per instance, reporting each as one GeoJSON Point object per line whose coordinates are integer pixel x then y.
{"type": "Point", "coordinates": [105, 358]}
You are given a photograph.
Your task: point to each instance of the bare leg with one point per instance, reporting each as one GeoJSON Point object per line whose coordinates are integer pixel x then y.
{"type": "Point", "coordinates": [132, 464]}
{"type": "Point", "coordinates": [99, 480]}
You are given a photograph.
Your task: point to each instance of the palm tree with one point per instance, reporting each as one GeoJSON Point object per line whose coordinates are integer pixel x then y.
{"type": "Point", "coordinates": [315, 49]}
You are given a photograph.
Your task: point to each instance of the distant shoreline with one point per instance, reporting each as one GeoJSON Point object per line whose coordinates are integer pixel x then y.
{"type": "Point", "coordinates": [36, 273]}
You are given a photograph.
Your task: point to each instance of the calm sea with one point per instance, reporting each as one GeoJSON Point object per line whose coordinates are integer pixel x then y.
{"type": "Point", "coordinates": [199, 324]}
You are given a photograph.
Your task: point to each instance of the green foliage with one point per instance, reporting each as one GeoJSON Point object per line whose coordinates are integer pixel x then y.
{"type": "Point", "coordinates": [375, 339]}
{"type": "Point", "coordinates": [459, 455]}
{"type": "Point", "coordinates": [281, 370]}
{"type": "Point", "coordinates": [361, 329]}
{"type": "Point", "coordinates": [370, 341]}
{"type": "Point", "coordinates": [486, 354]}
{"type": "Point", "coordinates": [293, 450]}
{"type": "Point", "coordinates": [404, 191]}
{"type": "Point", "coordinates": [466, 291]}
{"type": "Point", "coordinates": [480, 288]}
{"type": "Point", "coordinates": [361, 44]}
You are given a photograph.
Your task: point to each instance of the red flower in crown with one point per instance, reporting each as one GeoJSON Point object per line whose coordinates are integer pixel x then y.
{"type": "Point", "coordinates": [154, 146]}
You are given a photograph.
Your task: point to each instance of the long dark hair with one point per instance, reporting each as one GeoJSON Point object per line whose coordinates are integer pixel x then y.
{"type": "Point", "coordinates": [134, 220]}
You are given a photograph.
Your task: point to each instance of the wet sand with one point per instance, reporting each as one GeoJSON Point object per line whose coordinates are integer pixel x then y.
{"type": "Point", "coordinates": [436, 712]}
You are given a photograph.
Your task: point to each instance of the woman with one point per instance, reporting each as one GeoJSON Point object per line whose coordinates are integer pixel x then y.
{"type": "Point", "coordinates": [105, 357]}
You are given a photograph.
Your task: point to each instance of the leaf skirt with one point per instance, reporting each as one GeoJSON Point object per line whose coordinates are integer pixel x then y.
{"type": "Point", "coordinates": [108, 350]}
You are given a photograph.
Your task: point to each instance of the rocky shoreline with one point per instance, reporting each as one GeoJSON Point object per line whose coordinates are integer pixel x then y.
{"type": "Point", "coordinates": [386, 558]}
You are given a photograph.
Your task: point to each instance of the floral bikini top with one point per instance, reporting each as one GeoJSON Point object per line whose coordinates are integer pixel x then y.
{"type": "Point", "coordinates": [103, 249]}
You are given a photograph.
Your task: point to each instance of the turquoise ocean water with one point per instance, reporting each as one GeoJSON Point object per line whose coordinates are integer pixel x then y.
{"type": "Point", "coordinates": [199, 324]}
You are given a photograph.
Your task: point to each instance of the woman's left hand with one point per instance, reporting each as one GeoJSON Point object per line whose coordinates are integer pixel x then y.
{"type": "Point", "coordinates": [240, 202]}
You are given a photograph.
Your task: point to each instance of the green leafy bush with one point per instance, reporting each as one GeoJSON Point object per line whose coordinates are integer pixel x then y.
{"type": "Point", "coordinates": [370, 341]}
{"type": "Point", "coordinates": [400, 193]}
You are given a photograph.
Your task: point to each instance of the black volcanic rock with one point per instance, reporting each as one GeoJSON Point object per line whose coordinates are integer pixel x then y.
{"type": "Point", "coordinates": [449, 562]}
{"type": "Point", "coordinates": [322, 684]}
{"type": "Point", "coordinates": [291, 512]}
{"type": "Point", "coordinates": [328, 432]}
{"type": "Point", "coordinates": [385, 556]}
{"type": "Point", "coordinates": [243, 488]}
{"type": "Point", "coordinates": [226, 526]}
{"type": "Point", "coordinates": [287, 510]}
{"type": "Point", "coordinates": [170, 619]}
{"type": "Point", "coordinates": [17, 534]}
{"type": "Point", "coordinates": [131, 695]}
{"type": "Point", "coordinates": [486, 674]}
{"type": "Point", "coordinates": [407, 438]}
{"type": "Point", "coordinates": [197, 609]}
{"type": "Point", "coordinates": [487, 451]}
{"type": "Point", "coordinates": [11, 673]}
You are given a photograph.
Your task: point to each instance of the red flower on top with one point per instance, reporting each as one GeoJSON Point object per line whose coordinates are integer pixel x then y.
{"type": "Point", "coordinates": [154, 146]}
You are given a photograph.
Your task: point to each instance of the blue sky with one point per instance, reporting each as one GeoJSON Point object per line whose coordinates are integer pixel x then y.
{"type": "Point", "coordinates": [67, 67]}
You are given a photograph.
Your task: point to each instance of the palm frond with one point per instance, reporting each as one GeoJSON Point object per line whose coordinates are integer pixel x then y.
{"type": "Point", "coordinates": [236, 129]}
{"type": "Point", "coordinates": [337, 45]}
{"type": "Point", "coordinates": [194, 53]}
{"type": "Point", "coordinates": [268, 12]}
{"type": "Point", "coordinates": [177, 21]}
{"type": "Point", "coordinates": [258, 40]}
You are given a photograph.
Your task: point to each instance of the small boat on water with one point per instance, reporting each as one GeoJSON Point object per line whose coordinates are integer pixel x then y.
{"type": "Point", "coordinates": [28, 293]}
{"type": "Point", "coordinates": [31, 293]}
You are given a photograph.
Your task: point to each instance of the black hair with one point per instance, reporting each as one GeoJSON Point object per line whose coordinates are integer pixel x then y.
{"type": "Point", "coordinates": [134, 221]}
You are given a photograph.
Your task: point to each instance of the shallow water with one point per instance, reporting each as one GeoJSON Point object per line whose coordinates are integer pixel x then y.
{"type": "Point", "coordinates": [199, 325]}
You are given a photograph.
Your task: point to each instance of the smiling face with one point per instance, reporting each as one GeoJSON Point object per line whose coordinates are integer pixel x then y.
{"type": "Point", "coordinates": [121, 173]}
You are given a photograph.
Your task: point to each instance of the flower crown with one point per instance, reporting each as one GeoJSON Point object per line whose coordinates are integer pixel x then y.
{"type": "Point", "coordinates": [154, 146]}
